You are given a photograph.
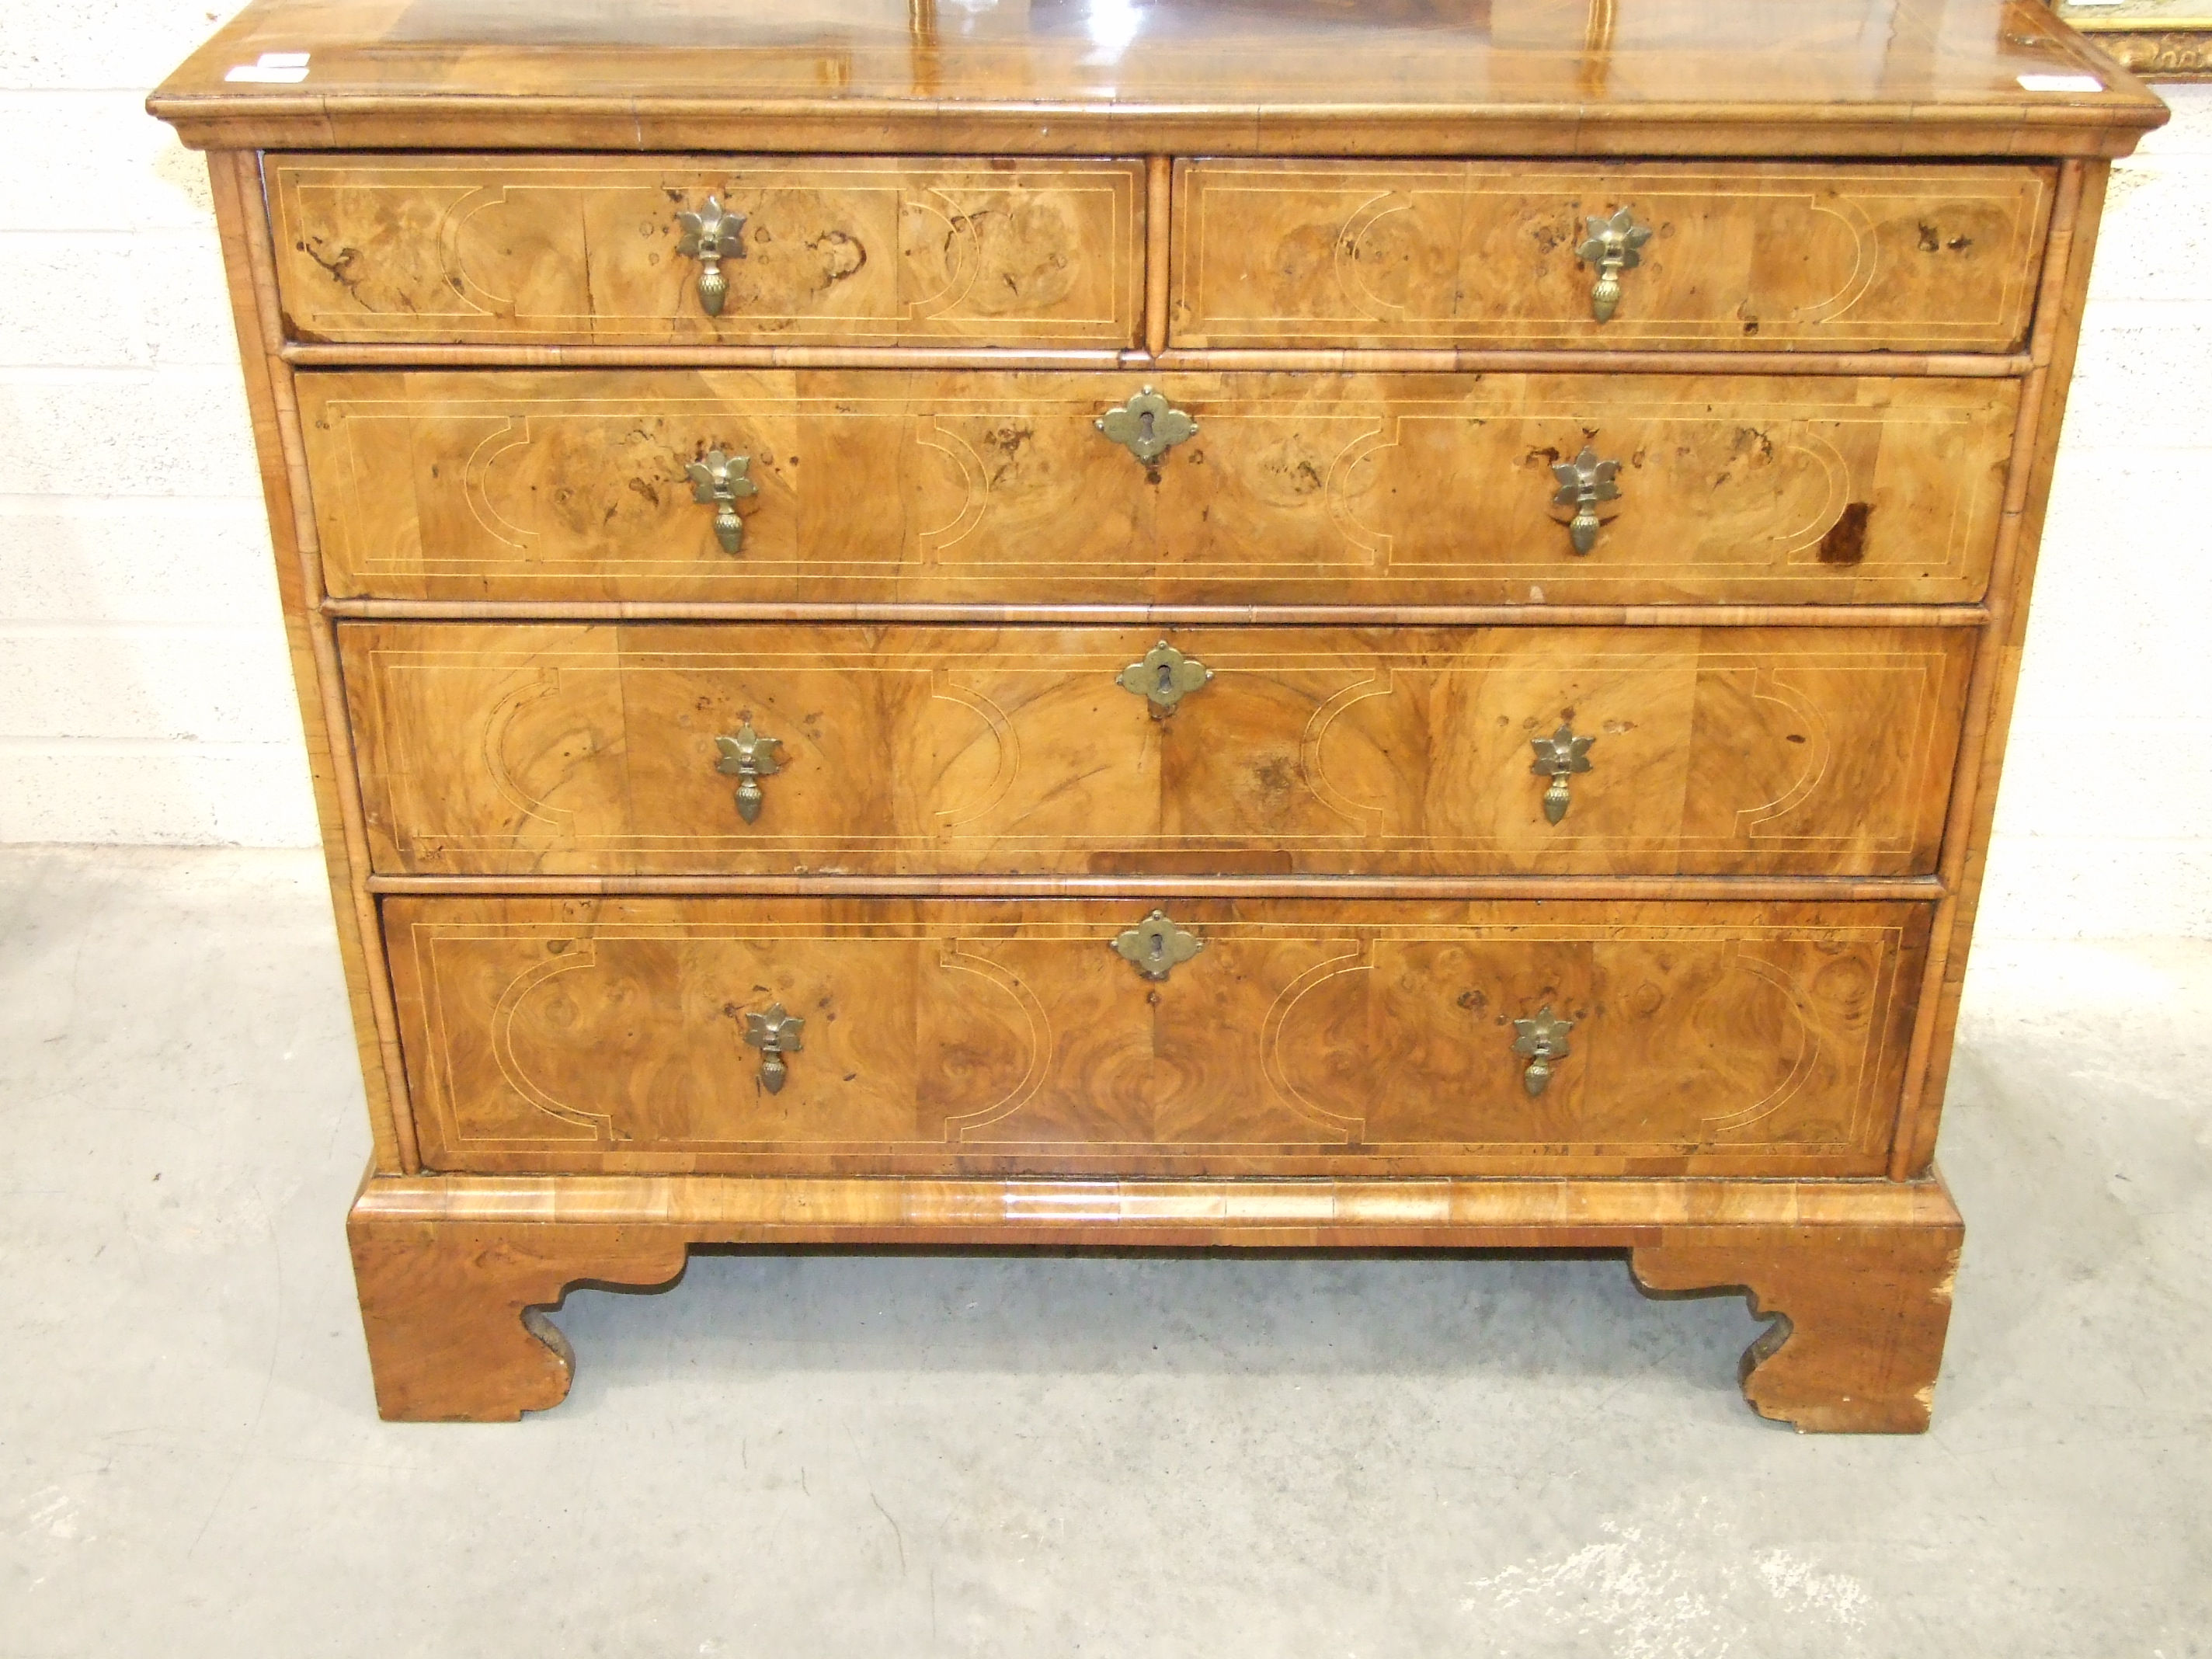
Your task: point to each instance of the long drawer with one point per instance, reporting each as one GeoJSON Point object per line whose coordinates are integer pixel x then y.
{"type": "Point", "coordinates": [987, 487]}
{"type": "Point", "coordinates": [678, 749]}
{"type": "Point", "coordinates": [809, 251]}
{"type": "Point", "coordinates": [1262, 1036]}
{"type": "Point", "coordinates": [1713, 256]}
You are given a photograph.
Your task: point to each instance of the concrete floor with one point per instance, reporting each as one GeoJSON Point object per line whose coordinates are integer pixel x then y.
{"type": "Point", "coordinates": [827, 1455]}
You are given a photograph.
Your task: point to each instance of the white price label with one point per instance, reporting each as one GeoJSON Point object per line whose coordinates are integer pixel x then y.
{"type": "Point", "coordinates": [276, 68]}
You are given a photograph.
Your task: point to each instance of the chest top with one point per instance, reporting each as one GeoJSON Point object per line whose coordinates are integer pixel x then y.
{"type": "Point", "coordinates": [1282, 77]}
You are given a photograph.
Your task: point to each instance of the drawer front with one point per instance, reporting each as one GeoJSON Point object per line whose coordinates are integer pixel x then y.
{"type": "Point", "coordinates": [995, 1037]}
{"type": "Point", "coordinates": [995, 487]}
{"type": "Point", "coordinates": [1753, 256]}
{"type": "Point", "coordinates": [812, 251]}
{"type": "Point", "coordinates": [625, 749]}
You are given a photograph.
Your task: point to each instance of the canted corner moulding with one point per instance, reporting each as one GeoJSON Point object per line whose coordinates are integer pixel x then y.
{"type": "Point", "coordinates": [1510, 765]}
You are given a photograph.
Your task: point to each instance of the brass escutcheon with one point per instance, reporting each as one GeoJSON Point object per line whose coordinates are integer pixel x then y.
{"type": "Point", "coordinates": [1583, 483]}
{"type": "Point", "coordinates": [1146, 427]}
{"type": "Point", "coordinates": [1615, 246]}
{"type": "Point", "coordinates": [1164, 676]}
{"type": "Point", "coordinates": [749, 758]}
{"type": "Point", "coordinates": [774, 1034]}
{"type": "Point", "coordinates": [1156, 945]}
{"type": "Point", "coordinates": [721, 481]}
{"type": "Point", "coordinates": [1543, 1040]}
{"type": "Point", "coordinates": [711, 235]}
{"type": "Point", "coordinates": [1558, 757]}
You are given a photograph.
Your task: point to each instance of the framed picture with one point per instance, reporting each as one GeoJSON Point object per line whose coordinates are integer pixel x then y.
{"type": "Point", "coordinates": [2159, 40]}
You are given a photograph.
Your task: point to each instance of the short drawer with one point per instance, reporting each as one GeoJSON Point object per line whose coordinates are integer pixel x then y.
{"type": "Point", "coordinates": [1752, 255]}
{"type": "Point", "coordinates": [781, 749]}
{"type": "Point", "coordinates": [1263, 1035]}
{"type": "Point", "coordinates": [594, 249]}
{"type": "Point", "coordinates": [1403, 489]}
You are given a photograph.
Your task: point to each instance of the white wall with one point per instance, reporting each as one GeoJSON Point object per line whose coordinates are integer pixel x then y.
{"type": "Point", "coordinates": [142, 677]}
{"type": "Point", "coordinates": [2105, 821]}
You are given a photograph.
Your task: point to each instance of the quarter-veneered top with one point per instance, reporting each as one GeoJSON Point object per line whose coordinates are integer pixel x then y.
{"type": "Point", "coordinates": [1433, 77]}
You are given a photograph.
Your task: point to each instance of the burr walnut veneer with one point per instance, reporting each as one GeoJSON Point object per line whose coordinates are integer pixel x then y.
{"type": "Point", "coordinates": [591, 749]}
{"type": "Point", "coordinates": [987, 487]}
{"type": "Point", "coordinates": [1272, 625]}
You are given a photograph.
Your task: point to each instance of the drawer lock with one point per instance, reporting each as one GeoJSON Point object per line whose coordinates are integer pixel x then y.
{"type": "Point", "coordinates": [1164, 676]}
{"type": "Point", "coordinates": [1156, 946]}
{"type": "Point", "coordinates": [1146, 427]}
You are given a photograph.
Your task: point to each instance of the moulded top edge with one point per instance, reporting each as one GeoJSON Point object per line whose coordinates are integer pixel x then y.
{"type": "Point", "coordinates": [1290, 77]}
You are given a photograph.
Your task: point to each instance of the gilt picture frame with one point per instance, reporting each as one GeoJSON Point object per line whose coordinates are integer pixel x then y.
{"type": "Point", "coordinates": [2158, 40]}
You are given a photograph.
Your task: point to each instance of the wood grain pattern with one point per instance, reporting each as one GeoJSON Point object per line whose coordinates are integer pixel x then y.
{"type": "Point", "coordinates": [1744, 256]}
{"type": "Point", "coordinates": [606, 1035]}
{"type": "Point", "coordinates": [594, 750]}
{"type": "Point", "coordinates": [999, 487]}
{"type": "Point", "coordinates": [834, 249]}
{"type": "Point", "coordinates": [1435, 77]}
{"type": "Point", "coordinates": [1856, 1275]}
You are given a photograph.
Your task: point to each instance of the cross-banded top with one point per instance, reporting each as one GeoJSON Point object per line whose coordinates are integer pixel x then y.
{"type": "Point", "coordinates": [1429, 77]}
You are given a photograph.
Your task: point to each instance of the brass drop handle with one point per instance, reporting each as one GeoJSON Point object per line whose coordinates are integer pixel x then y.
{"type": "Point", "coordinates": [1164, 676]}
{"type": "Point", "coordinates": [775, 1034]}
{"type": "Point", "coordinates": [1155, 947]}
{"type": "Point", "coordinates": [1558, 757]}
{"type": "Point", "coordinates": [710, 236]}
{"type": "Point", "coordinates": [1146, 426]}
{"type": "Point", "coordinates": [1543, 1040]}
{"type": "Point", "coordinates": [749, 758]}
{"type": "Point", "coordinates": [1583, 483]}
{"type": "Point", "coordinates": [1615, 245]}
{"type": "Point", "coordinates": [722, 482]}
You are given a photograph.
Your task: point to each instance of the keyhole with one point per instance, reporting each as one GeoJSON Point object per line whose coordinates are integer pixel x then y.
{"type": "Point", "coordinates": [1145, 423]}
{"type": "Point", "coordinates": [1159, 944]}
{"type": "Point", "coordinates": [1167, 678]}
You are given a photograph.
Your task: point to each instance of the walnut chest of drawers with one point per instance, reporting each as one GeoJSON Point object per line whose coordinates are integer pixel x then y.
{"type": "Point", "coordinates": [1259, 625]}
